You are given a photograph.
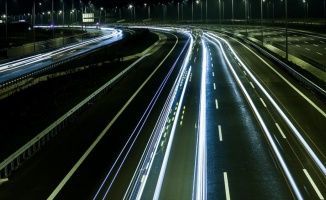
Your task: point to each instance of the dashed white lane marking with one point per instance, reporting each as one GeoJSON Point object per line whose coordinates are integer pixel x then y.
{"type": "Point", "coordinates": [307, 49]}
{"type": "Point", "coordinates": [213, 74]}
{"type": "Point", "coordinates": [214, 86]}
{"type": "Point", "coordinates": [313, 184]}
{"type": "Point", "coordinates": [216, 104]}
{"type": "Point", "coordinates": [252, 85]}
{"type": "Point", "coordinates": [220, 133]}
{"type": "Point", "coordinates": [263, 102]}
{"type": "Point", "coordinates": [226, 183]}
{"type": "Point", "coordinates": [319, 53]}
{"type": "Point", "coordinates": [279, 129]}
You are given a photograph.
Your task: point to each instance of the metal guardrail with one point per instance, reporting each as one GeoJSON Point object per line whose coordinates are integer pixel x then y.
{"type": "Point", "coordinates": [18, 79]}
{"type": "Point", "coordinates": [320, 92]}
{"type": "Point", "coordinates": [16, 159]}
{"type": "Point", "coordinates": [302, 79]}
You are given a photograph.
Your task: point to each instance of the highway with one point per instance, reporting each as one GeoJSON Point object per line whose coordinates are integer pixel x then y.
{"type": "Point", "coordinates": [15, 68]}
{"type": "Point", "coordinates": [305, 45]}
{"type": "Point", "coordinates": [252, 150]}
{"type": "Point", "coordinates": [206, 117]}
{"type": "Point", "coordinates": [49, 167]}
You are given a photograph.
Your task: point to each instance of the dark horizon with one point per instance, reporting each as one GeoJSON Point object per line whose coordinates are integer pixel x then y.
{"type": "Point", "coordinates": [296, 8]}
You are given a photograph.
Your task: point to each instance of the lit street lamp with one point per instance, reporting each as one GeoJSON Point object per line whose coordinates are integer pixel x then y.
{"type": "Point", "coordinates": [261, 21]}
{"type": "Point", "coordinates": [192, 11]}
{"type": "Point", "coordinates": [6, 16]}
{"type": "Point", "coordinates": [286, 29]}
{"type": "Point", "coordinates": [201, 9]}
{"type": "Point", "coordinates": [100, 16]}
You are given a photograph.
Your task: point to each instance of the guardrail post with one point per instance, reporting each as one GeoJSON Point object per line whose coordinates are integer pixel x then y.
{"type": "Point", "coordinates": [12, 165]}
{"type": "Point", "coordinates": [18, 160]}
{"type": "Point", "coordinates": [6, 171]}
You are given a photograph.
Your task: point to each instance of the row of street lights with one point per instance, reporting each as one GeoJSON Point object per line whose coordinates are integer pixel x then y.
{"type": "Point", "coordinates": [198, 2]}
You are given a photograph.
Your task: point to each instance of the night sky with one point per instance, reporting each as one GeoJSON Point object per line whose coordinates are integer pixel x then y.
{"type": "Point", "coordinates": [296, 8]}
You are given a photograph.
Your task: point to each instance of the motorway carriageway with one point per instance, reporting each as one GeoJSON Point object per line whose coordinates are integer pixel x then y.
{"type": "Point", "coordinates": [242, 130]}
{"type": "Point", "coordinates": [248, 149]}
{"type": "Point", "coordinates": [12, 69]}
{"type": "Point", "coordinates": [137, 99]}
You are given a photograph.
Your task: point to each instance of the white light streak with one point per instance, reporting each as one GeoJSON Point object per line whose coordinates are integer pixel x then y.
{"type": "Point", "coordinates": [261, 121]}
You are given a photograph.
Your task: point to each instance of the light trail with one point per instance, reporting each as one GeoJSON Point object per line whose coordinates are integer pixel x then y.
{"type": "Point", "coordinates": [140, 124]}
{"type": "Point", "coordinates": [159, 183]}
{"type": "Point", "coordinates": [44, 56]}
{"type": "Point", "coordinates": [259, 118]}
{"type": "Point", "coordinates": [280, 111]}
{"type": "Point", "coordinates": [201, 157]}
{"type": "Point", "coordinates": [139, 180]}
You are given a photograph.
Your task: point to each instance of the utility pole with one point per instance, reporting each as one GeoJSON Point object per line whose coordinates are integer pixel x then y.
{"type": "Point", "coordinates": [34, 23]}
{"type": "Point", "coordinates": [286, 30]}
{"type": "Point", "coordinates": [6, 5]}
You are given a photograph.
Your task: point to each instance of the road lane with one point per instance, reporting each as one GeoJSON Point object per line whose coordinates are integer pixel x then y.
{"type": "Point", "coordinates": [43, 172]}
{"type": "Point", "coordinates": [243, 153]}
{"type": "Point", "coordinates": [116, 184]}
{"type": "Point", "coordinates": [293, 100]}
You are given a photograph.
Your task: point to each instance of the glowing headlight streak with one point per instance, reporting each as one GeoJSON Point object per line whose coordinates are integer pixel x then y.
{"type": "Point", "coordinates": [285, 118]}
{"type": "Point", "coordinates": [201, 175]}
{"type": "Point", "coordinates": [140, 124]}
{"type": "Point", "coordinates": [263, 125]}
{"type": "Point", "coordinates": [159, 131]}
{"type": "Point", "coordinates": [37, 58]}
{"type": "Point", "coordinates": [169, 146]}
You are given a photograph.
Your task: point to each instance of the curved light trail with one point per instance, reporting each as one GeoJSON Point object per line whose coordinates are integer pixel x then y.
{"type": "Point", "coordinates": [261, 121]}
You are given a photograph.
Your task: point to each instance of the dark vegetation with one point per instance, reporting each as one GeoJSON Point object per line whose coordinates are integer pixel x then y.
{"type": "Point", "coordinates": [26, 113]}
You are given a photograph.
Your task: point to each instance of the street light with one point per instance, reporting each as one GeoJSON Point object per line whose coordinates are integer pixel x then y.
{"type": "Point", "coordinates": [232, 13]}
{"type": "Point", "coordinates": [100, 16]}
{"type": "Point", "coordinates": [201, 9]}
{"type": "Point", "coordinates": [286, 29]}
{"type": "Point", "coordinates": [261, 21]}
{"type": "Point", "coordinates": [304, 8]}
{"type": "Point", "coordinates": [130, 8]}
{"type": "Point", "coordinates": [6, 6]}
{"type": "Point", "coordinates": [219, 11]}
{"type": "Point", "coordinates": [63, 13]}
{"type": "Point", "coordinates": [148, 10]}
{"type": "Point", "coordinates": [192, 11]}
{"type": "Point", "coordinates": [246, 15]}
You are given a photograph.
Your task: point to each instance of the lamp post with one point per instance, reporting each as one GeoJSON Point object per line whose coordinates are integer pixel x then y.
{"type": "Point", "coordinates": [100, 16]}
{"type": "Point", "coordinates": [261, 21]}
{"type": "Point", "coordinates": [148, 11]}
{"type": "Point", "coordinates": [63, 13]}
{"type": "Point", "coordinates": [219, 11]}
{"type": "Point", "coordinates": [182, 11]}
{"type": "Point", "coordinates": [246, 15]}
{"type": "Point", "coordinates": [324, 15]}
{"type": "Point", "coordinates": [178, 12]}
{"type": "Point", "coordinates": [130, 8]}
{"type": "Point", "coordinates": [34, 24]}
{"type": "Point", "coordinates": [206, 12]}
{"type": "Point", "coordinates": [232, 13]}
{"type": "Point", "coordinates": [304, 8]}
{"type": "Point", "coordinates": [6, 7]}
{"type": "Point", "coordinates": [192, 11]}
{"type": "Point", "coordinates": [286, 29]}
{"type": "Point", "coordinates": [201, 9]}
